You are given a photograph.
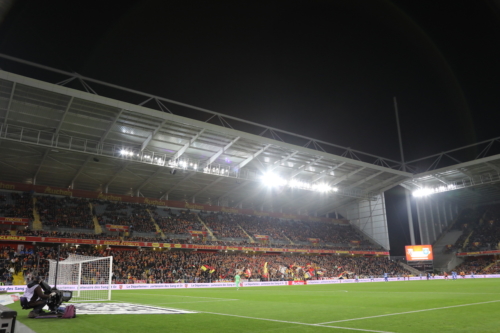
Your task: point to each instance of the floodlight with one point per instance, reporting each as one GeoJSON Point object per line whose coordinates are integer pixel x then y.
{"type": "Point", "coordinates": [123, 152]}
{"type": "Point", "coordinates": [272, 180]}
{"type": "Point", "coordinates": [423, 192]}
{"type": "Point", "coordinates": [322, 187]}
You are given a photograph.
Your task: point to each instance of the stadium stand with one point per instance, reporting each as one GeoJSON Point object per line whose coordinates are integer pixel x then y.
{"type": "Point", "coordinates": [136, 266]}
{"type": "Point", "coordinates": [66, 217]}
{"type": "Point", "coordinates": [481, 229]}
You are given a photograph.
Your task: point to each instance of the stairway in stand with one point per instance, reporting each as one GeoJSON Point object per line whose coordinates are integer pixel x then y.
{"type": "Point", "coordinates": [97, 226]}
{"type": "Point", "coordinates": [157, 227]}
{"type": "Point", "coordinates": [37, 224]}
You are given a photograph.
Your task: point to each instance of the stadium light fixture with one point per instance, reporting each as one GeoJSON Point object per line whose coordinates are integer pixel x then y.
{"type": "Point", "coordinates": [321, 187]}
{"type": "Point", "coordinates": [273, 180]}
{"type": "Point", "coordinates": [423, 192]}
{"type": "Point", "coordinates": [426, 191]}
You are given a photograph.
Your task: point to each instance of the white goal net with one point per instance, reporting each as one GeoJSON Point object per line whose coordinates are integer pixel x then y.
{"type": "Point", "coordinates": [90, 276]}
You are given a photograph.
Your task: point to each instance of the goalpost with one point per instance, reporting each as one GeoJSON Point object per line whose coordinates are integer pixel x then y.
{"type": "Point", "coordinates": [91, 276]}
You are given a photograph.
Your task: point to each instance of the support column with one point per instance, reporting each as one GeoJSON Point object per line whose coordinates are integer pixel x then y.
{"type": "Point", "coordinates": [438, 210]}
{"type": "Point", "coordinates": [433, 221]}
{"type": "Point", "coordinates": [422, 238]}
{"type": "Point", "coordinates": [410, 217]}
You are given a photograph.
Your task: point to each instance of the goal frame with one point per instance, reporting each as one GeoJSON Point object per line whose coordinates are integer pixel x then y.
{"type": "Point", "coordinates": [74, 265]}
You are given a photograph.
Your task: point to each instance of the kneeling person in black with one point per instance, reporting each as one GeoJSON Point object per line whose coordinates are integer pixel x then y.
{"type": "Point", "coordinates": [35, 296]}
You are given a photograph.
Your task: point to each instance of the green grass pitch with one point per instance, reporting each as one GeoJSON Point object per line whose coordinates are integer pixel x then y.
{"type": "Point", "coordinates": [409, 306]}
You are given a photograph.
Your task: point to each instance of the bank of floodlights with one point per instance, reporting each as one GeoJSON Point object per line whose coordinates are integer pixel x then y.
{"type": "Point", "coordinates": [272, 180]}
{"type": "Point", "coordinates": [426, 191]}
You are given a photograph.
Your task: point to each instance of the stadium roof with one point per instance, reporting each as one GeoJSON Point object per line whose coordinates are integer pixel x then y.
{"type": "Point", "coordinates": [52, 134]}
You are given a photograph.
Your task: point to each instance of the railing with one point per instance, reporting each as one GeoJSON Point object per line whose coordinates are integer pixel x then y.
{"type": "Point", "coordinates": [135, 154]}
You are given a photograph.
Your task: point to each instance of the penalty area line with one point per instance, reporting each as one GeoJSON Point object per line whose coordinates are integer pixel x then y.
{"type": "Point", "coordinates": [276, 320]}
{"type": "Point", "coordinates": [294, 322]}
{"type": "Point", "coordinates": [408, 312]}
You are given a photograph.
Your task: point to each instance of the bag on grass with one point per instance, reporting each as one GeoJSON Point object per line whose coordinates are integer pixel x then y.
{"type": "Point", "coordinates": [69, 312]}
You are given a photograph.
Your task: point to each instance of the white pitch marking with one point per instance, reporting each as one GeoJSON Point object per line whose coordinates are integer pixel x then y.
{"type": "Point", "coordinates": [282, 321]}
{"type": "Point", "coordinates": [167, 295]}
{"type": "Point", "coordinates": [294, 322]}
{"type": "Point", "coordinates": [227, 300]}
{"type": "Point", "coordinates": [401, 313]}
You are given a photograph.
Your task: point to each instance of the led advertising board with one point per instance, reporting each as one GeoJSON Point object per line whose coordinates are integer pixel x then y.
{"type": "Point", "coordinates": [419, 252]}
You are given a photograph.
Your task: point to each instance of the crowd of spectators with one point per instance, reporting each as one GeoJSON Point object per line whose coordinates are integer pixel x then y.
{"type": "Point", "coordinates": [178, 224]}
{"type": "Point", "coordinates": [481, 229]}
{"type": "Point", "coordinates": [16, 205]}
{"type": "Point", "coordinates": [474, 265]}
{"type": "Point", "coordinates": [224, 225]}
{"type": "Point", "coordinates": [134, 216]}
{"type": "Point", "coordinates": [132, 266]}
{"type": "Point", "coordinates": [65, 212]}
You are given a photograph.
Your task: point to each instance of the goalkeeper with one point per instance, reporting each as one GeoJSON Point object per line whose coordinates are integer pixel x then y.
{"type": "Point", "coordinates": [237, 281]}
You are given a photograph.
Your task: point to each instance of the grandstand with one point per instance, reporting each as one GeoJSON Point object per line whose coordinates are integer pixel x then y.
{"type": "Point", "coordinates": [82, 168]}
{"type": "Point", "coordinates": [78, 162]}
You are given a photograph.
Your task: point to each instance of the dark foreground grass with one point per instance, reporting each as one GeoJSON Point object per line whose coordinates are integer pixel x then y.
{"type": "Point", "coordinates": [417, 306]}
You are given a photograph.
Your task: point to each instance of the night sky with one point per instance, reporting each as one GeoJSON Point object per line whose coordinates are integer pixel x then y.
{"type": "Point", "coordinates": [324, 69]}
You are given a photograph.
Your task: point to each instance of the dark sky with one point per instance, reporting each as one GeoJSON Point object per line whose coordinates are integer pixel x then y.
{"type": "Point", "coordinates": [324, 69]}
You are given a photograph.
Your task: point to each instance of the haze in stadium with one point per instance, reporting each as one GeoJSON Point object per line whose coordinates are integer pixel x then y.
{"type": "Point", "coordinates": [324, 69]}
{"type": "Point", "coordinates": [349, 73]}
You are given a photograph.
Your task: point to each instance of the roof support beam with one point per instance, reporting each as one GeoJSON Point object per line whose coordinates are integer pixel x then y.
{"type": "Point", "coordinates": [56, 133]}
{"type": "Point", "coordinates": [324, 172]}
{"type": "Point", "coordinates": [116, 173]}
{"type": "Point", "coordinates": [186, 146]}
{"type": "Point", "coordinates": [344, 177]}
{"type": "Point", "coordinates": [239, 166]}
{"type": "Point", "coordinates": [337, 205]}
{"type": "Point", "coordinates": [210, 161]}
{"type": "Point", "coordinates": [303, 166]}
{"type": "Point", "coordinates": [149, 179]}
{"type": "Point", "coordinates": [108, 130]}
{"type": "Point", "coordinates": [152, 135]}
{"type": "Point", "coordinates": [283, 160]}
{"type": "Point", "coordinates": [359, 182]}
{"type": "Point", "coordinates": [221, 151]}
{"type": "Point", "coordinates": [64, 116]}
{"type": "Point", "coordinates": [10, 103]}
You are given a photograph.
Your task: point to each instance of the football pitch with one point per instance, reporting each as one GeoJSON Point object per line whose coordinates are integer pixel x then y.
{"type": "Point", "coordinates": [471, 305]}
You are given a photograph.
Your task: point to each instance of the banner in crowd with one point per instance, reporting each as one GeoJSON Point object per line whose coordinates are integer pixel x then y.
{"type": "Point", "coordinates": [478, 253]}
{"type": "Point", "coordinates": [14, 220]}
{"type": "Point", "coordinates": [313, 240]}
{"type": "Point", "coordinates": [157, 202]}
{"type": "Point", "coordinates": [263, 237]}
{"type": "Point", "coordinates": [179, 246]}
{"type": "Point", "coordinates": [21, 288]}
{"type": "Point", "coordinates": [114, 227]}
{"type": "Point", "coordinates": [196, 232]}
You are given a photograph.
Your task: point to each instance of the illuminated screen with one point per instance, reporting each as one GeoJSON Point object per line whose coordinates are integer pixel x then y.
{"type": "Point", "coordinates": [419, 252]}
